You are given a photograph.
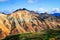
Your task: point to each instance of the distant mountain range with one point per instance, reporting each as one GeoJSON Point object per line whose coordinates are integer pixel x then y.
{"type": "Point", "coordinates": [55, 14]}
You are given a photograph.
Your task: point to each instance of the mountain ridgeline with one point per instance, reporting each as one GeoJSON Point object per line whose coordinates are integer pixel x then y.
{"type": "Point", "coordinates": [23, 20]}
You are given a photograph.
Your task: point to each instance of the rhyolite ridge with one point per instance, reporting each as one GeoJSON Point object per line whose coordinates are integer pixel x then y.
{"type": "Point", "coordinates": [23, 20]}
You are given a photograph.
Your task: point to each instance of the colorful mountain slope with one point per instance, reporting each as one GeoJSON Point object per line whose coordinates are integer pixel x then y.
{"type": "Point", "coordinates": [22, 21]}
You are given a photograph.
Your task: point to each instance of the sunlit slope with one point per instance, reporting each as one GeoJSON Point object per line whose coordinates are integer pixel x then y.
{"type": "Point", "coordinates": [5, 27]}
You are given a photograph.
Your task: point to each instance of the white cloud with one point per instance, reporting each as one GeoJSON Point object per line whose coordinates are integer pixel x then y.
{"type": "Point", "coordinates": [56, 10]}
{"type": "Point", "coordinates": [53, 10]}
{"type": "Point", "coordinates": [3, 0]}
{"type": "Point", "coordinates": [32, 1]}
{"type": "Point", "coordinates": [42, 10]}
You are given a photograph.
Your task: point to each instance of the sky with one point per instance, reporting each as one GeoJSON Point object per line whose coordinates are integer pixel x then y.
{"type": "Point", "coordinates": [9, 6]}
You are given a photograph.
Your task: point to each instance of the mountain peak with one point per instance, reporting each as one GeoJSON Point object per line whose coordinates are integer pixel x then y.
{"type": "Point", "coordinates": [21, 9]}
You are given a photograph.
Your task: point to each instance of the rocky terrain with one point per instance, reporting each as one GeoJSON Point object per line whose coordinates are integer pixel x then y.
{"type": "Point", "coordinates": [23, 20]}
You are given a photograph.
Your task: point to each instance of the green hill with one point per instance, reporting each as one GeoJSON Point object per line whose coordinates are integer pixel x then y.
{"type": "Point", "coordinates": [49, 34]}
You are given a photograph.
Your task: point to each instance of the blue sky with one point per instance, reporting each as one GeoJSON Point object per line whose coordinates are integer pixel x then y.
{"type": "Point", "coordinates": [36, 5]}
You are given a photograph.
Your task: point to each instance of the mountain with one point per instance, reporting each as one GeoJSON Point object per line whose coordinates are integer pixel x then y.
{"type": "Point", "coordinates": [23, 20]}
{"type": "Point", "coordinates": [56, 14]}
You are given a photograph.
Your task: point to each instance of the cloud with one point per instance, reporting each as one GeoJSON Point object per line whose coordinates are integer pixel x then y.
{"type": "Point", "coordinates": [32, 1]}
{"type": "Point", "coordinates": [42, 10]}
{"type": "Point", "coordinates": [53, 10]}
{"type": "Point", "coordinates": [56, 10]}
{"type": "Point", "coordinates": [3, 0]}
